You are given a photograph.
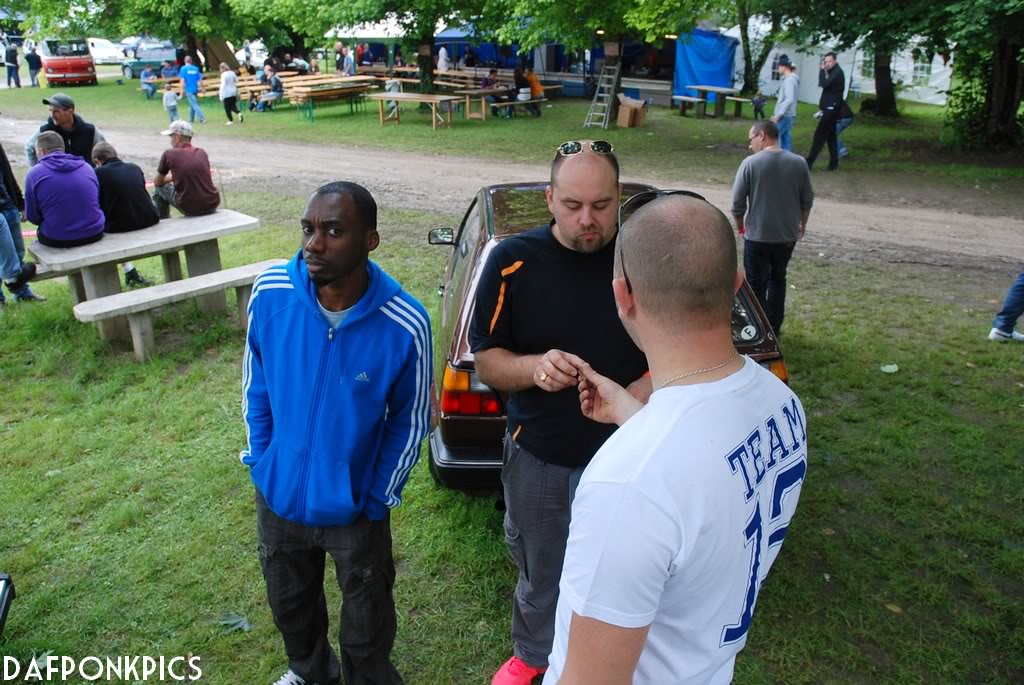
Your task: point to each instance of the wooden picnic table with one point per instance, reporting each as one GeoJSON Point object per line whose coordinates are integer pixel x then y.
{"type": "Point", "coordinates": [423, 98]}
{"type": "Point", "coordinates": [720, 93]}
{"type": "Point", "coordinates": [308, 95]}
{"type": "Point", "coordinates": [93, 267]}
{"type": "Point", "coordinates": [471, 93]}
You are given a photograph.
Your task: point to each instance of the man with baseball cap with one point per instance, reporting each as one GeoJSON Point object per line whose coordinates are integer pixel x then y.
{"type": "Point", "coordinates": [785, 105]}
{"type": "Point", "coordinates": [183, 177]}
{"type": "Point", "coordinates": [80, 137]}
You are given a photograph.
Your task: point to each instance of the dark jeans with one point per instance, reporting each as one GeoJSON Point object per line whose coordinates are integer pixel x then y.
{"type": "Point", "coordinates": [77, 242]}
{"type": "Point", "coordinates": [14, 75]}
{"type": "Point", "coordinates": [765, 265]}
{"type": "Point", "coordinates": [826, 133]}
{"type": "Point", "coordinates": [292, 557]}
{"type": "Point", "coordinates": [1013, 306]}
{"type": "Point", "coordinates": [231, 106]}
{"type": "Point", "coordinates": [538, 500]}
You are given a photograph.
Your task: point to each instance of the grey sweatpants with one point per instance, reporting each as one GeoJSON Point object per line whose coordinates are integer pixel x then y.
{"type": "Point", "coordinates": [538, 500]}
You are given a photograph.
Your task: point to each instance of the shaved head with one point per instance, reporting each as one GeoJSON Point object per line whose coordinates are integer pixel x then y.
{"type": "Point", "coordinates": [680, 255]}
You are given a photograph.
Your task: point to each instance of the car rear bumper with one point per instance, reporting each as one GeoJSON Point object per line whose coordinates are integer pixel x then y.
{"type": "Point", "coordinates": [465, 469]}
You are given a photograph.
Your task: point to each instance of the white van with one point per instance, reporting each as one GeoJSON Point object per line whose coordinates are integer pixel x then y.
{"type": "Point", "coordinates": [104, 52]}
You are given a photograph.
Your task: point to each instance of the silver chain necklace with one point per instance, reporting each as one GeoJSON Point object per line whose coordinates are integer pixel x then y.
{"type": "Point", "coordinates": [681, 376]}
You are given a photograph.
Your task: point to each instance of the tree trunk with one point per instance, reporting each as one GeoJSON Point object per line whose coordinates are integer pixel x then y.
{"type": "Point", "coordinates": [749, 75]}
{"type": "Point", "coordinates": [298, 43]}
{"type": "Point", "coordinates": [426, 63]}
{"type": "Point", "coordinates": [1006, 86]}
{"type": "Point", "coordinates": [762, 56]}
{"type": "Point", "coordinates": [885, 93]}
{"type": "Point", "coordinates": [192, 49]}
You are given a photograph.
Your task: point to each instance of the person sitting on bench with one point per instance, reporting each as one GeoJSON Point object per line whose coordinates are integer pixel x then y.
{"type": "Point", "coordinates": [183, 178]}
{"type": "Point", "coordinates": [536, 91]}
{"type": "Point", "coordinates": [124, 201]}
{"type": "Point", "coordinates": [275, 93]}
{"type": "Point", "coordinates": [62, 196]}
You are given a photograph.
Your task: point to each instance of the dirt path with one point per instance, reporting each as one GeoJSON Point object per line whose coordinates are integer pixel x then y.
{"type": "Point", "coordinates": [845, 230]}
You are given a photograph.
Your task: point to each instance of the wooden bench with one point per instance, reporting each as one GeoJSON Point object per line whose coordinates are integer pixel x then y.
{"type": "Point", "coordinates": [513, 103]}
{"type": "Point", "coordinates": [685, 101]}
{"type": "Point", "coordinates": [738, 111]}
{"type": "Point", "coordinates": [138, 305]}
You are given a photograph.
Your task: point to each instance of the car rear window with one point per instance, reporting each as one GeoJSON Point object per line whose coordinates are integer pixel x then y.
{"type": "Point", "coordinates": [71, 48]}
{"type": "Point", "coordinates": [520, 208]}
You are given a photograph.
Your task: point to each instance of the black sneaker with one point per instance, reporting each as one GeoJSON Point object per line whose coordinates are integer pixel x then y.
{"type": "Point", "coordinates": [28, 272]}
{"type": "Point", "coordinates": [133, 279]}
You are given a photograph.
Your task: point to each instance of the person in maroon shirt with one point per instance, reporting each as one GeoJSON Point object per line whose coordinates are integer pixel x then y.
{"type": "Point", "coordinates": [183, 179]}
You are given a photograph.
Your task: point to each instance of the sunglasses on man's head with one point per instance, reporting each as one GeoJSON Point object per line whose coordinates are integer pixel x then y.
{"type": "Point", "coordinates": [574, 147]}
{"type": "Point", "coordinates": [629, 207]}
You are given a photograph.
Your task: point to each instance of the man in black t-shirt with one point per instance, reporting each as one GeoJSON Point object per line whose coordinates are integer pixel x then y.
{"type": "Point", "coordinates": [544, 308]}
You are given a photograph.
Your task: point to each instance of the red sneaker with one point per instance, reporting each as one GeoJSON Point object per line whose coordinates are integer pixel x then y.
{"type": "Point", "coordinates": [515, 671]}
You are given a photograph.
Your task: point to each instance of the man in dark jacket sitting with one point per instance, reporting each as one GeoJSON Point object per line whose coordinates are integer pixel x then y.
{"type": "Point", "coordinates": [124, 200]}
{"type": "Point", "coordinates": [79, 136]}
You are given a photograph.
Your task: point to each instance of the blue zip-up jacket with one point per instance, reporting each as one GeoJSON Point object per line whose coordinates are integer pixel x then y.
{"type": "Point", "coordinates": [334, 417]}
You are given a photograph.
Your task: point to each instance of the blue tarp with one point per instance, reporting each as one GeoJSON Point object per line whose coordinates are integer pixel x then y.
{"type": "Point", "coordinates": [457, 39]}
{"type": "Point", "coordinates": [703, 58]}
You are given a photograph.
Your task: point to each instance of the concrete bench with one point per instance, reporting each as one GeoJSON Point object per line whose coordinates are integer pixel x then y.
{"type": "Point", "coordinates": [686, 101]}
{"type": "Point", "coordinates": [738, 111]}
{"type": "Point", "coordinates": [137, 305]}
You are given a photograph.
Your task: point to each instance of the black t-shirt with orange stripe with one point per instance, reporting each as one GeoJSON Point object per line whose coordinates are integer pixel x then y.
{"type": "Point", "coordinates": [537, 295]}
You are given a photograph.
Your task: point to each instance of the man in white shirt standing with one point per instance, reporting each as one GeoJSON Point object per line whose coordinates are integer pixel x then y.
{"type": "Point", "coordinates": [785, 106]}
{"type": "Point", "coordinates": [681, 514]}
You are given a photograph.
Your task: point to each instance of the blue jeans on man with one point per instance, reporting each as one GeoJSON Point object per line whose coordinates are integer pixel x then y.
{"type": "Point", "coordinates": [149, 89]}
{"type": "Point", "coordinates": [193, 103]}
{"type": "Point", "coordinates": [1013, 307]}
{"type": "Point", "coordinates": [842, 125]}
{"type": "Point", "coordinates": [33, 75]}
{"type": "Point", "coordinates": [785, 132]}
{"type": "Point", "coordinates": [13, 75]}
{"type": "Point", "coordinates": [12, 255]}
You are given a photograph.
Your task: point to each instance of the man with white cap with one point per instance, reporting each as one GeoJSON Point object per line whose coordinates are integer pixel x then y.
{"type": "Point", "coordinates": [183, 178]}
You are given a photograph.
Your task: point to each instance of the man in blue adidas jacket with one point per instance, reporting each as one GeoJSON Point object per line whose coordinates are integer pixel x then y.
{"type": "Point", "coordinates": [335, 397]}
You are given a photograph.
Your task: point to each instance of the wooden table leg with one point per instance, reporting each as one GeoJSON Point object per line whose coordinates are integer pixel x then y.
{"type": "Point", "coordinates": [483, 108]}
{"type": "Point", "coordinates": [466, 113]}
{"type": "Point", "coordinates": [719, 106]}
{"type": "Point", "coordinates": [143, 341]}
{"type": "Point", "coordinates": [204, 258]}
{"type": "Point", "coordinates": [381, 111]}
{"type": "Point", "coordinates": [77, 288]}
{"type": "Point", "coordinates": [433, 115]}
{"type": "Point", "coordinates": [172, 266]}
{"type": "Point", "coordinates": [99, 281]}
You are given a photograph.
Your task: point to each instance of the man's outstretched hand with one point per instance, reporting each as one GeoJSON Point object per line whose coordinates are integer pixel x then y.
{"type": "Point", "coordinates": [603, 400]}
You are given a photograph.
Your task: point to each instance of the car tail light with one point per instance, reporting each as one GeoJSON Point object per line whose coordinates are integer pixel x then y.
{"type": "Point", "coordinates": [778, 367]}
{"type": "Point", "coordinates": [463, 394]}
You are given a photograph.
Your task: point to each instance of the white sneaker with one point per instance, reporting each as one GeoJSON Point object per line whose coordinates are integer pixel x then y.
{"type": "Point", "coordinates": [230, 122]}
{"type": "Point", "coordinates": [290, 678]}
{"type": "Point", "coordinates": [999, 335]}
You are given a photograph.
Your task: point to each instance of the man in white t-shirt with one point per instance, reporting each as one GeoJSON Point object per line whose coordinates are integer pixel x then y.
{"type": "Point", "coordinates": [682, 512]}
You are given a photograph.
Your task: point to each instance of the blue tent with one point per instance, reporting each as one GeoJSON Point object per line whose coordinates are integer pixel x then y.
{"type": "Point", "coordinates": [703, 58]}
{"type": "Point", "coordinates": [457, 39]}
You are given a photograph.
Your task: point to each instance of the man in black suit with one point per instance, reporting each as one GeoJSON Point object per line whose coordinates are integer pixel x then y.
{"type": "Point", "coordinates": [832, 82]}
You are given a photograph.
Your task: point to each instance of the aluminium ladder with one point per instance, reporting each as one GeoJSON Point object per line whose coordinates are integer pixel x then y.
{"type": "Point", "coordinates": [601, 107]}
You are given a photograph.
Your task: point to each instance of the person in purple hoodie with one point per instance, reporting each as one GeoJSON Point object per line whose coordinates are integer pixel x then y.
{"type": "Point", "coordinates": [62, 196]}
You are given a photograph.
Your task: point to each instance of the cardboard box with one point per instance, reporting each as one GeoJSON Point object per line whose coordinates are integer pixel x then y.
{"type": "Point", "coordinates": [632, 113]}
{"type": "Point", "coordinates": [626, 117]}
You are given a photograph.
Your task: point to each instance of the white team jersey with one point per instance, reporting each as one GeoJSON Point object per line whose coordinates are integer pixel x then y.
{"type": "Point", "coordinates": [678, 519]}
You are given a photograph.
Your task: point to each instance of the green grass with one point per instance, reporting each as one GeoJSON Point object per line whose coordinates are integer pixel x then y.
{"type": "Point", "coordinates": [128, 523]}
{"type": "Point", "coordinates": [670, 146]}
